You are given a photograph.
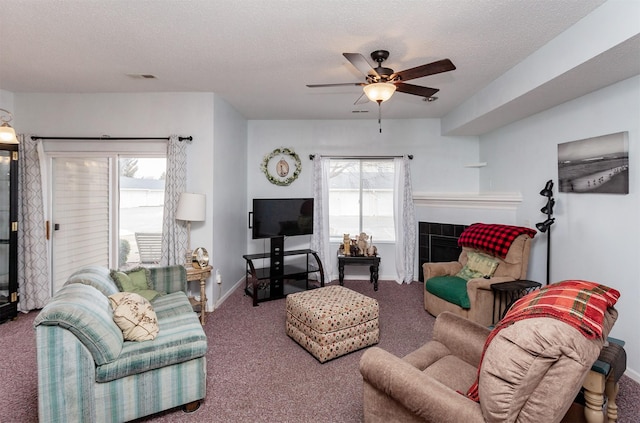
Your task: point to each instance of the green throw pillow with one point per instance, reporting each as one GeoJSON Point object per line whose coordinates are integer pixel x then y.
{"type": "Point", "coordinates": [136, 280]}
{"type": "Point", "coordinates": [478, 266]}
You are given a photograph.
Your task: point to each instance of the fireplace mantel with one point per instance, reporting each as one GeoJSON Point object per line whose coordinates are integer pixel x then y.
{"type": "Point", "coordinates": [488, 200]}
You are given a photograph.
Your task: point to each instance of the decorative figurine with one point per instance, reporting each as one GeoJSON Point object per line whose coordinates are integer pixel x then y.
{"type": "Point", "coordinates": [346, 242]}
{"type": "Point", "coordinates": [372, 251]}
{"type": "Point", "coordinates": [362, 244]}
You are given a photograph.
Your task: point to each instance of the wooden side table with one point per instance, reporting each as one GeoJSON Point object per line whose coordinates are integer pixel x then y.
{"type": "Point", "coordinates": [195, 274]}
{"type": "Point", "coordinates": [372, 261]}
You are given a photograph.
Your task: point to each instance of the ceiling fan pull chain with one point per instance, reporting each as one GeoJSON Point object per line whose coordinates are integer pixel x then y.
{"type": "Point", "coordinates": [380, 115]}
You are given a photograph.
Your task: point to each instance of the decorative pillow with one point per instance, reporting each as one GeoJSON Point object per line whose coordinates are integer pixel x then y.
{"type": "Point", "coordinates": [136, 280]}
{"type": "Point", "coordinates": [134, 316]}
{"type": "Point", "coordinates": [130, 280]}
{"type": "Point", "coordinates": [478, 266]}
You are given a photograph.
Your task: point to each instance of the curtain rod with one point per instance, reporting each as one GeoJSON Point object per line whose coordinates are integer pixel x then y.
{"type": "Point", "coordinates": [312, 156]}
{"type": "Point", "coordinates": [106, 137]}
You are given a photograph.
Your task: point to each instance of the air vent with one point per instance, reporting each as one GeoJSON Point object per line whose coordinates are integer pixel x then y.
{"type": "Point", "coordinates": [359, 111]}
{"type": "Point", "coordinates": [141, 76]}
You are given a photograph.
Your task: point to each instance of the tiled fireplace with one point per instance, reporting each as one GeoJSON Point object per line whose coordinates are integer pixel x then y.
{"type": "Point", "coordinates": [438, 242]}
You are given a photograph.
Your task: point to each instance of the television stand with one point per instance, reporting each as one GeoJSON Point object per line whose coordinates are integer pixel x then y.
{"type": "Point", "coordinates": [286, 274]}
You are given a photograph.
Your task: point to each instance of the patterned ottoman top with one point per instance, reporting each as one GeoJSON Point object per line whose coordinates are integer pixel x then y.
{"type": "Point", "coordinates": [331, 308]}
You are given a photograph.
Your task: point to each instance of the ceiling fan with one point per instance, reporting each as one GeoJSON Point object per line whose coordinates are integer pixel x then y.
{"type": "Point", "coordinates": [382, 82]}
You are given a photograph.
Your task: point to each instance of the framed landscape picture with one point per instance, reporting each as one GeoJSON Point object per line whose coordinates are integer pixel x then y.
{"type": "Point", "coordinates": [595, 165]}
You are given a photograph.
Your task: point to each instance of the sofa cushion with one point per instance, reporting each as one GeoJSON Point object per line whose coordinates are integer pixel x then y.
{"type": "Point", "coordinates": [134, 315]}
{"type": "Point", "coordinates": [450, 288]}
{"type": "Point", "coordinates": [95, 276]}
{"type": "Point", "coordinates": [85, 311]}
{"type": "Point", "coordinates": [169, 278]}
{"type": "Point", "coordinates": [172, 304]}
{"type": "Point", "coordinates": [181, 338]}
{"type": "Point", "coordinates": [478, 266]}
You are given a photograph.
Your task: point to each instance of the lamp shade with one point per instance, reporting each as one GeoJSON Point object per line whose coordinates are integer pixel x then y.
{"type": "Point", "coordinates": [544, 226]}
{"type": "Point", "coordinates": [8, 134]}
{"type": "Point", "coordinates": [547, 191]}
{"type": "Point", "coordinates": [548, 209]}
{"type": "Point", "coordinates": [191, 207]}
{"type": "Point", "coordinates": [380, 91]}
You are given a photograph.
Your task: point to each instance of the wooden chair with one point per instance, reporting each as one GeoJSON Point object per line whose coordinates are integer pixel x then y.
{"type": "Point", "coordinates": [149, 246]}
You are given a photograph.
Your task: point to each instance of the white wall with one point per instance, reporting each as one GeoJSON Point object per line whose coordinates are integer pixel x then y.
{"type": "Point", "coordinates": [438, 165]}
{"type": "Point", "coordinates": [134, 115]}
{"type": "Point", "coordinates": [6, 102]}
{"type": "Point", "coordinates": [229, 199]}
{"type": "Point", "coordinates": [595, 236]}
{"type": "Point", "coordinates": [216, 159]}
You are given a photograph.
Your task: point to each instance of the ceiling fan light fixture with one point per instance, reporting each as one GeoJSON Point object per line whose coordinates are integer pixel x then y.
{"type": "Point", "coordinates": [379, 91]}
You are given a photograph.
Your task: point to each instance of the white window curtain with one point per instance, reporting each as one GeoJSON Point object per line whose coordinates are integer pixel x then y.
{"type": "Point", "coordinates": [174, 234]}
{"type": "Point", "coordinates": [33, 263]}
{"type": "Point", "coordinates": [404, 220]}
{"type": "Point", "coordinates": [320, 237]}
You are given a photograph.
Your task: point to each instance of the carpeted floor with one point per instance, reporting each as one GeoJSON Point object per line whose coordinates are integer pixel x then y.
{"type": "Point", "coordinates": [255, 373]}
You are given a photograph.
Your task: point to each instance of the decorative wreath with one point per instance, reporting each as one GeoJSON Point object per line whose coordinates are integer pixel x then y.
{"type": "Point", "coordinates": [277, 179]}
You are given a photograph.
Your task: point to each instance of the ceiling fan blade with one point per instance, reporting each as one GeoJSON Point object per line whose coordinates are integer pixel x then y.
{"type": "Point", "coordinates": [345, 84]}
{"type": "Point", "coordinates": [415, 89]}
{"type": "Point", "coordinates": [361, 64]}
{"type": "Point", "coordinates": [444, 65]}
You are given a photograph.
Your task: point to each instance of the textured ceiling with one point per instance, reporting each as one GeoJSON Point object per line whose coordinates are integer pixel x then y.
{"type": "Point", "coordinates": [260, 54]}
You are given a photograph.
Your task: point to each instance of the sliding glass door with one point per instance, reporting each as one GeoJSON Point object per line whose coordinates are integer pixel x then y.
{"type": "Point", "coordinates": [140, 211]}
{"type": "Point", "coordinates": [101, 209]}
{"type": "Point", "coordinates": [80, 215]}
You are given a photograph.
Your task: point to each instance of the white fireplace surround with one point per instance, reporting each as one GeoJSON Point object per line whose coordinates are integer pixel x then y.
{"type": "Point", "coordinates": [474, 200]}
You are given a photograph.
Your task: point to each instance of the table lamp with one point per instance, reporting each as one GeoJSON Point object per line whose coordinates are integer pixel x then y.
{"type": "Point", "coordinates": [191, 208]}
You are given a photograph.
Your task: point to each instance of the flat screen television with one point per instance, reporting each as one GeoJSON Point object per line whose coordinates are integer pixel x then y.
{"type": "Point", "coordinates": [275, 217]}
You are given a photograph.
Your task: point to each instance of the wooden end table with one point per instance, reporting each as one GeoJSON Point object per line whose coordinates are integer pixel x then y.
{"type": "Point", "coordinates": [196, 274]}
{"type": "Point", "coordinates": [372, 261]}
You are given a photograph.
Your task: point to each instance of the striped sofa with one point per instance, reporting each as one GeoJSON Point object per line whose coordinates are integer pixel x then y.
{"type": "Point", "coordinates": [88, 373]}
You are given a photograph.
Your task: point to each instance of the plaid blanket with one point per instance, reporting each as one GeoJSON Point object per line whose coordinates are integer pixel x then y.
{"type": "Point", "coordinates": [581, 304]}
{"type": "Point", "coordinates": [492, 238]}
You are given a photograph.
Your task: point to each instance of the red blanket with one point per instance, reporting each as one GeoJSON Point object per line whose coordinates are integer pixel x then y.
{"type": "Point", "coordinates": [492, 238]}
{"type": "Point", "coordinates": [581, 304]}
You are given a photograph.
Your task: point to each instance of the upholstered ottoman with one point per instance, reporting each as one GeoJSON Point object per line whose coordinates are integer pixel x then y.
{"type": "Point", "coordinates": [332, 321]}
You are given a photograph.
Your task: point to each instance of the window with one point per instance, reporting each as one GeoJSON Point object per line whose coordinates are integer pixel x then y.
{"type": "Point", "coordinates": [141, 182]}
{"type": "Point", "coordinates": [361, 198]}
